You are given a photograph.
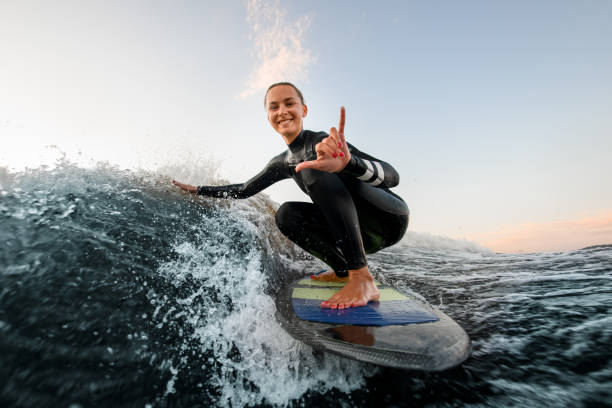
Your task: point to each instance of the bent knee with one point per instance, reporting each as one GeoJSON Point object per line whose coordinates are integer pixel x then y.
{"type": "Point", "coordinates": [281, 216]}
{"type": "Point", "coordinates": [285, 217]}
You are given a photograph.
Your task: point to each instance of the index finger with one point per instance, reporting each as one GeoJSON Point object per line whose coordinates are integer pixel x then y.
{"type": "Point", "coordinates": [342, 120]}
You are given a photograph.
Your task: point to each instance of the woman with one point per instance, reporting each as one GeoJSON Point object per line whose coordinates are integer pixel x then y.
{"type": "Point", "coordinates": [353, 212]}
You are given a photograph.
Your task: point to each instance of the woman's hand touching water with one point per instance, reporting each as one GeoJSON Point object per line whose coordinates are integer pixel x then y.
{"type": "Point", "coordinates": [332, 153]}
{"type": "Point", "coordinates": [186, 187]}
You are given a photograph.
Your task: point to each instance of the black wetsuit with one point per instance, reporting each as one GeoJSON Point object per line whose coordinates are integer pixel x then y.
{"type": "Point", "coordinates": [354, 212]}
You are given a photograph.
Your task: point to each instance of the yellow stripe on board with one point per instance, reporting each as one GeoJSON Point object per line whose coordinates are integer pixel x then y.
{"type": "Point", "coordinates": [312, 282]}
{"type": "Point", "coordinates": [326, 293]}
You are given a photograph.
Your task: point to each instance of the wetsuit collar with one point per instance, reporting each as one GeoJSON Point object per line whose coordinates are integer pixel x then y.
{"type": "Point", "coordinates": [297, 143]}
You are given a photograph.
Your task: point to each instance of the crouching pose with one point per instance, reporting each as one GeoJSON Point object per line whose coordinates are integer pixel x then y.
{"type": "Point", "coordinates": [353, 212]}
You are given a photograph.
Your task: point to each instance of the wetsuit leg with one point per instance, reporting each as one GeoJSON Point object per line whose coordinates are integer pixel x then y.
{"type": "Point", "coordinates": [379, 228]}
{"type": "Point", "coordinates": [334, 200]}
{"type": "Point", "coordinates": [338, 228]}
{"type": "Point", "coordinates": [305, 225]}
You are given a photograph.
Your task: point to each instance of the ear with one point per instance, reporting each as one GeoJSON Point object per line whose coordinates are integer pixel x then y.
{"type": "Point", "coordinates": [305, 111]}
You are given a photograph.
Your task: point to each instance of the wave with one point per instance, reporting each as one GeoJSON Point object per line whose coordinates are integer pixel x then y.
{"type": "Point", "coordinates": [430, 242]}
{"type": "Point", "coordinates": [116, 286]}
{"type": "Point", "coordinates": [199, 276]}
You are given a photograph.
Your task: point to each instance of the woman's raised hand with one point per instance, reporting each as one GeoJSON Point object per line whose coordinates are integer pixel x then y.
{"type": "Point", "coordinates": [186, 187]}
{"type": "Point", "coordinates": [332, 153]}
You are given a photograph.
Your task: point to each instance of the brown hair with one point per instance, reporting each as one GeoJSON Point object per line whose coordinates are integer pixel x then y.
{"type": "Point", "coordinates": [284, 83]}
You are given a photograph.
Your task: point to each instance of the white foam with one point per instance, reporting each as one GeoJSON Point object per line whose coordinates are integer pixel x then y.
{"type": "Point", "coordinates": [272, 368]}
{"type": "Point", "coordinates": [428, 241]}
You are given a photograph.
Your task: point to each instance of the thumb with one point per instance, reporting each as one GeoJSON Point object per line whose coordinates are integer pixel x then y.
{"type": "Point", "coordinates": [306, 165]}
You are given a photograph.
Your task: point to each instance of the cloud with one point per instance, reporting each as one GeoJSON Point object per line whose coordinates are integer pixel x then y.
{"type": "Point", "coordinates": [551, 236]}
{"type": "Point", "coordinates": [278, 46]}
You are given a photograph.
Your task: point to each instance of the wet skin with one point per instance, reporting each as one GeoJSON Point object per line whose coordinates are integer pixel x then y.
{"type": "Point", "coordinates": [329, 276]}
{"type": "Point", "coordinates": [358, 291]}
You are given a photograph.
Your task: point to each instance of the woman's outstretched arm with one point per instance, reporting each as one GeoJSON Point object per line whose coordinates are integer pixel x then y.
{"type": "Point", "coordinates": [273, 172]}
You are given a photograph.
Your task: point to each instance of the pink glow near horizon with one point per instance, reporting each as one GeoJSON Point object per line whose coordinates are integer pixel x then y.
{"type": "Point", "coordinates": [550, 236]}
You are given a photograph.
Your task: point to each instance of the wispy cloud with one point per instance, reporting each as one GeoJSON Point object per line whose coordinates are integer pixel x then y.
{"type": "Point", "coordinates": [278, 46]}
{"type": "Point", "coordinates": [552, 236]}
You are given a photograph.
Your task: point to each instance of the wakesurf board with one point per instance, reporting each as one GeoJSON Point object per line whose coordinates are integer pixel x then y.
{"type": "Point", "coordinates": [399, 330]}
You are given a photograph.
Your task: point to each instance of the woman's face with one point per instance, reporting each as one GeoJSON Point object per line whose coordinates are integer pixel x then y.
{"type": "Point", "coordinates": [285, 111]}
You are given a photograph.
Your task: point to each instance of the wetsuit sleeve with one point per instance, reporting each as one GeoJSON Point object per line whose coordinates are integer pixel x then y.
{"type": "Point", "coordinates": [370, 170]}
{"type": "Point", "coordinates": [273, 172]}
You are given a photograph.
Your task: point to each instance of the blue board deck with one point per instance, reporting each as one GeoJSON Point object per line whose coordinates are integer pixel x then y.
{"type": "Point", "coordinates": [392, 308]}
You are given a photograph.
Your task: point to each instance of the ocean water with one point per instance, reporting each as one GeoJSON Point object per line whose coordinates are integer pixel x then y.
{"type": "Point", "coordinates": [116, 289]}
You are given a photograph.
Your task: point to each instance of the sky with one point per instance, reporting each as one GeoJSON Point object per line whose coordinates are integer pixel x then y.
{"type": "Point", "coordinates": [497, 115]}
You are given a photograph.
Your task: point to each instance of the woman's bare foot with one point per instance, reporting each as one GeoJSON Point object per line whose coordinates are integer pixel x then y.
{"type": "Point", "coordinates": [358, 291]}
{"type": "Point", "coordinates": [329, 276]}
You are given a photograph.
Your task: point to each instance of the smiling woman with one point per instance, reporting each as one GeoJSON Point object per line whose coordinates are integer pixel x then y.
{"type": "Point", "coordinates": [353, 211]}
{"type": "Point", "coordinates": [286, 110]}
